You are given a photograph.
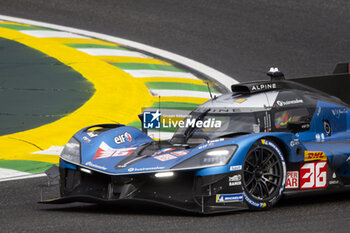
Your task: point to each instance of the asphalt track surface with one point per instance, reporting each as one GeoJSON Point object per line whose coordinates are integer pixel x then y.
{"type": "Point", "coordinates": [20, 213]}
{"type": "Point", "coordinates": [240, 38]}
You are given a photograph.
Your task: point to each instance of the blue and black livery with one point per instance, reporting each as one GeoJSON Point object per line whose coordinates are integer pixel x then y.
{"type": "Point", "coordinates": [277, 137]}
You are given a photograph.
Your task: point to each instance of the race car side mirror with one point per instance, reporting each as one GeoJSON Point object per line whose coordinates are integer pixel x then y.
{"type": "Point", "coordinates": [298, 127]}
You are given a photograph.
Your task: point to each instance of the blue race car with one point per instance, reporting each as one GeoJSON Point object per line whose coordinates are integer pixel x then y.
{"type": "Point", "coordinates": [244, 149]}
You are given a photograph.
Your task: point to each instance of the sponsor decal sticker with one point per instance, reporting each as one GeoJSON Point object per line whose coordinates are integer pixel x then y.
{"type": "Point", "coordinates": [266, 142]}
{"type": "Point", "coordinates": [125, 137]}
{"type": "Point", "coordinates": [165, 150]}
{"type": "Point", "coordinates": [319, 137]}
{"type": "Point", "coordinates": [180, 152]}
{"type": "Point", "coordinates": [294, 142]}
{"type": "Point", "coordinates": [215, 140]}
{"type": "Point", "coordinates": [334, 179]}
{"type": "Point", "coordinates": [282, 103]}
{"type": "Point", "coordinates": [132, 169]}
{"type": "Point", "coordinates": [224, 198]}
{"type": "Point", "coordinates": [90, 164]}
{"type": "Point", "coordinates": [211, 143]}
{"type": "Point", "coordinates": [319, 111]}
{"type": "Point", "coordinates": [292, 180]}
{"type": "Point", "coordinates": [86, 139]}
{"type": "Point", "coordinates": [314, 155]}
{"type": "Point", "coordinates": [332, 182]}
{"type": "Point", "coordinates": [262, 87]}
{"type": "Point", "coordinates": [313, 175]}
{"type": "Point", "coordinates": [256, 128]}
{"type": "Point", "coordinates": [91, 134]}
{"type": "Point", "coordinates": [236, 168]}
{"type": "Point", "coordinates": [253, 203]}
{"type": "Point", "coordinates": [234, 180]}
{"type": "Point", "coordinates": [204, 146]}
{"type": "Point", "coordinates": [337, 112]}
{"type": "Point", "coordinates": [165, 157]}
{"type": "Point", "coordinates": [105, 151]}
{"type": "Point", "coordinates": [240, 100]}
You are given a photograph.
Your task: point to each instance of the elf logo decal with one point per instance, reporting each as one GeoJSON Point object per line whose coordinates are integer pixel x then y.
{"type": "Point", "coordinates": [315, 155]}
{"type": "Point", "coordinates": [313, 175]}
{"type": "Point", "coordinates": [292, 180]}
{"type": "Point", "coordinates": [125, 137]}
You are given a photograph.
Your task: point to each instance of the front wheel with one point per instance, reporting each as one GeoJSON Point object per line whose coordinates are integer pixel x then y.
{"type": "Point", "coordinates": [264, 175]}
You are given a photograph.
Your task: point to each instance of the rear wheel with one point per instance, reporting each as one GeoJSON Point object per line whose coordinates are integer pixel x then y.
{"type": "Point", "coordinates": [264, 174]}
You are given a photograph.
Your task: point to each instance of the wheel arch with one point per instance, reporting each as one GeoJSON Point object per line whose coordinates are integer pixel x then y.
{"type": "Point", "coordinates": [280, 143]}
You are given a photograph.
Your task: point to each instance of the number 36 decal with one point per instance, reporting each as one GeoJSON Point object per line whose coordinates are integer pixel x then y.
{"type": "Point", "coordinates": [313, 175]}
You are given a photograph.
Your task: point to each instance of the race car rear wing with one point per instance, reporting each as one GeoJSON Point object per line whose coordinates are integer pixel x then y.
{"type": "Point", "coordinates": [336, 84]}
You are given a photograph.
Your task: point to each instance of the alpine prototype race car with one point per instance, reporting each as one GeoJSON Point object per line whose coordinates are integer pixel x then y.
{"type": "Point", "coordinates": [241, 150]}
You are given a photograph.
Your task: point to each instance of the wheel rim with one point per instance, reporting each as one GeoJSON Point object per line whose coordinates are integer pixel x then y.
{"type": "Point", "coordinates": [262, 173]}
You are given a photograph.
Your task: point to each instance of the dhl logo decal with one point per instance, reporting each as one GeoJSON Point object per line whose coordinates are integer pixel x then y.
{"type": "Point", "coordinates": [314, 155]}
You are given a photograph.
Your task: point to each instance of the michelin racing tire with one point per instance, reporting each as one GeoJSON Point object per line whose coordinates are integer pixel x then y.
{"type": "Point", "coordinates": [264, 175]}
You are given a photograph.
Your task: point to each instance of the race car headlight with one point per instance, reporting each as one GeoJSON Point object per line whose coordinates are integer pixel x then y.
{"type": "Point", "coordinates": [209, 158]}
{"type": "Point", "coordinates": [71, 152]}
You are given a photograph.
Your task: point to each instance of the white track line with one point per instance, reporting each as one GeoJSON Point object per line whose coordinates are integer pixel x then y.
{"type": "Point", "coordinates": [212, 73]}
{"type": "Point", "coordinates": [6, 173]}
{"type": "Point", "coordinates": [159, 73]}
{"type": "Point", "coordinates": [180, 93]}
{"type": "Point", "coordinates": [22, 177]}
{"type": "Point", "coordinates": [112, 52]}
{"type": "Point", "coordinates": [53, 150]}
{"type": "Point", "coordinates": [52, 34]}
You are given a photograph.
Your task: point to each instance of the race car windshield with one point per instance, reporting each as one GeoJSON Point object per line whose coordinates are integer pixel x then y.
{"type": "Point", "coordinates": [212, 125]}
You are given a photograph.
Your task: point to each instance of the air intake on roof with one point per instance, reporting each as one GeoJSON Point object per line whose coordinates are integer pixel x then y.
{"type": "Point", "coordinates": [240, 89]}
